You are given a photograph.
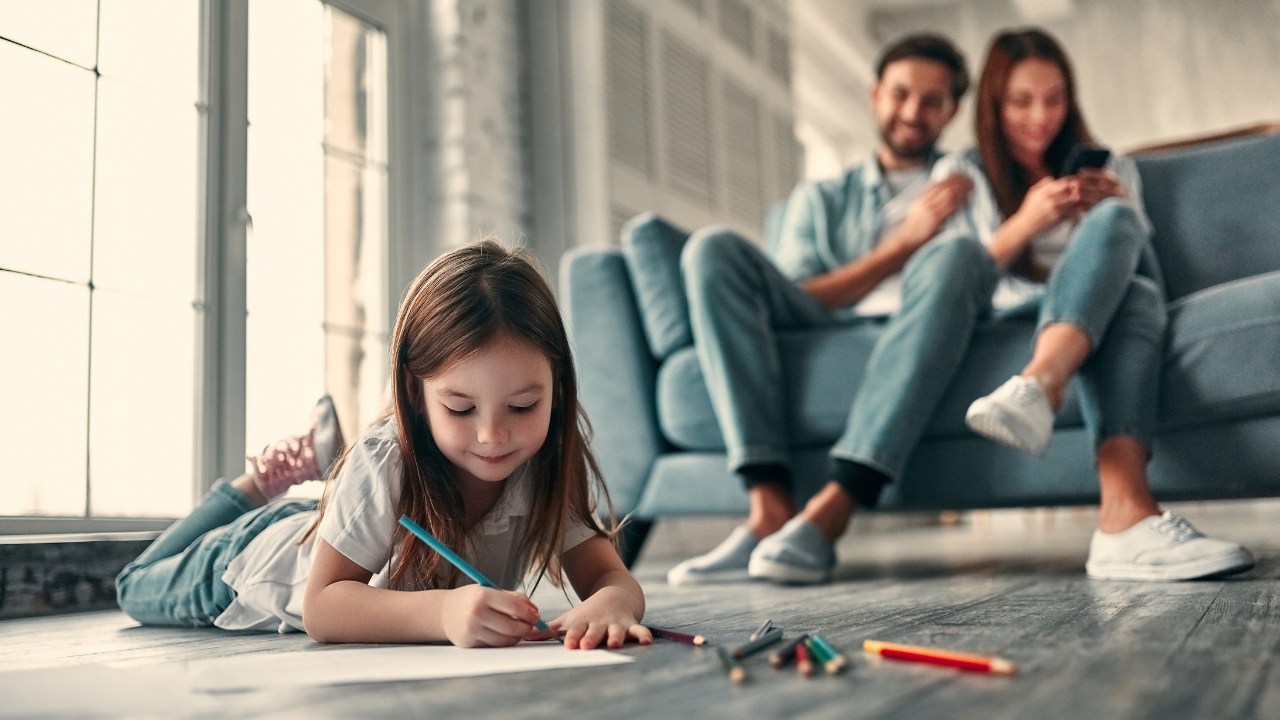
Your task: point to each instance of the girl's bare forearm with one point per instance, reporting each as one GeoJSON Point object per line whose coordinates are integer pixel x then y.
{"type": "Point", "coordinates": [628, 590]}
{"type": "Point", "coordinates": [350, 611]}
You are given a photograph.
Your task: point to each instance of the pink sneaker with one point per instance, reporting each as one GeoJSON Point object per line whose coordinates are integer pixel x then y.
{"type": "Point", "coordinates": [302, 457]}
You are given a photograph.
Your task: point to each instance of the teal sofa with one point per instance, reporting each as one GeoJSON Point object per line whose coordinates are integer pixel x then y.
{"type": "Point", "coordinates": [1216, 211]}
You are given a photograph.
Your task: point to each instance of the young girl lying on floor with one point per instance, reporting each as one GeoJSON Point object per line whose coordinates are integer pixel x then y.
{"type": "Point", "coordinates": [484, 448]}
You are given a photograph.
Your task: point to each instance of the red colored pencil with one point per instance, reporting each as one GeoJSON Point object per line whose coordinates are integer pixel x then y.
{"type": "Point", "coordinates": [802, 661]}
{"type": "Point", "coordinates": [913, 653]}
{"type": "Point", "coordinates": [677, 636]}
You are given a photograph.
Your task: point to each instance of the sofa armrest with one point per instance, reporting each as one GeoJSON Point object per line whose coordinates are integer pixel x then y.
{"type": "Point", "coordinates": [617, 374]}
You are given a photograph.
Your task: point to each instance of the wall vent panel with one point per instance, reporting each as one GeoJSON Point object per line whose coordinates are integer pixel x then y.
{"type": "Point", "coordinates": [737, 25]}
{"type": "Point", "coordinates": [741, 133]}
{"type": "Point", "coordinates": [627, 86]}
{"type": "Point", "coordinates": [686, 90]}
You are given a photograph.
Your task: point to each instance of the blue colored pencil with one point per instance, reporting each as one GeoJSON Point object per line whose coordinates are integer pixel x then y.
{"type": "Point", "coordinates": [453, 558]}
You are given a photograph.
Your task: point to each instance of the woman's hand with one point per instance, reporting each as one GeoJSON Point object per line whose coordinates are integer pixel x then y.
{"type": "Point", "coordinates": [475, 616]}
{"type": "Point", "coordinates": [605, 617]}
{"type": "Point", "coordinates": [1096, 185]}
{"type": "Point", "coordinates": [1048, 203]}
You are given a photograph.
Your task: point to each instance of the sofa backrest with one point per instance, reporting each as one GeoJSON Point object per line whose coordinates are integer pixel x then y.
{"type": "Point", "coordinates": [1216, 211]}
{"type": "Point", "coordinates": [652, 248]}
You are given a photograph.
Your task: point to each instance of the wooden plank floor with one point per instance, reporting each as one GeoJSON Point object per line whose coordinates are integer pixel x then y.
{"type": "Point", "coordinates": [1008, 583]}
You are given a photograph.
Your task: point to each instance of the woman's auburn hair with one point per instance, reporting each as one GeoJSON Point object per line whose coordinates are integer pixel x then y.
{"type": "Point", "coordinates": [1008, 181]}
{"type": "Point", "coordinates": [458, 304]}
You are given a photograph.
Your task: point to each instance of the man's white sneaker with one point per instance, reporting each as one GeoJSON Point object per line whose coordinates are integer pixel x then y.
{"type": "Point", "coordinates": [726, 563]}
{"type": "Point", "coordinates": [1163, 548]}
{"type": "Point", "coordinates": [1016, 414]}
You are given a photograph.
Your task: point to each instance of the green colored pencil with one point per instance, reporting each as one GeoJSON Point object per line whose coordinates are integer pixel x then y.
{"type": "Point", "coordinates": [835, 660]}
{"type": "Point", "coordinates": [737, 674]}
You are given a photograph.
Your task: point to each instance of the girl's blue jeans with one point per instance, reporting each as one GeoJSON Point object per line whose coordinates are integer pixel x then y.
{"type": "Point", "coordinates": [178, 579]}
{"type": "Point", "coordinates": [738, 301]}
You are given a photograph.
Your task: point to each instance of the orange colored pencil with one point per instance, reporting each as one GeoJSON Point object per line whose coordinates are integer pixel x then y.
{"type": "Point", "coordinates": [913, 653]}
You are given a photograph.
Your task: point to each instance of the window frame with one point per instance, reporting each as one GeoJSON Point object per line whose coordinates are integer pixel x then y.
{"type": "Point", "coordinates": [223, 221]}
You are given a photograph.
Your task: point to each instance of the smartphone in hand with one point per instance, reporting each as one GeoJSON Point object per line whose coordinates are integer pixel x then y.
{"type": "Point", "coordinates": [1085, 156]}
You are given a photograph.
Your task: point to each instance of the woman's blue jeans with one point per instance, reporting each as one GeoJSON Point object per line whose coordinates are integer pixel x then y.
{"type": "Point", "coordinates": [738, 302]}
{"type": "Point", "coordinates": [1108, 284]}
{"type": "Point", "coordinates": [178, 579]}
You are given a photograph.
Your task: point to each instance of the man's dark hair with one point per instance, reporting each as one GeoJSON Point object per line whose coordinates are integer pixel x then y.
{"type": "Point", "coordinates": [929, 47]}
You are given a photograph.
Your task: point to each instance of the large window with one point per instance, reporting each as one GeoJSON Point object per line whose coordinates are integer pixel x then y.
{"type": "Point", "coordinates": [98, 238]}
{"type": "Point", "coordinates": [317, 196]}
{"type": "Point", "coordinates": [104, 190]}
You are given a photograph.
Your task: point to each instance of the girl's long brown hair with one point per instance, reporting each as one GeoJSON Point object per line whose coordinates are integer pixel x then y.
{"type": "Point", "coordinates": [1008, 181]}
{"type": "Point", "coordinates": [459, 303]}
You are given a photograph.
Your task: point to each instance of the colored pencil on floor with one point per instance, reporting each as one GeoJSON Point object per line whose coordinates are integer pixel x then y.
{"type": "Point", "coordinates": [816, 653]}
{"type": "Point", "coordinates": [764, 628]}
{"type": "Point", "coordinates": [783, 655]}
{"type": "Point", "coordinates": [765, 640]}
{"type": "Point", "coordinates": [736, 672]}
{"type": "Point", "coordinates": [677, 636]}
{"type": "Point", "coordinates": [836, 661]}
{"type": "Point", "coordinates": [964, 661]}
{"type": "Point", "coordinates": [803, 665]}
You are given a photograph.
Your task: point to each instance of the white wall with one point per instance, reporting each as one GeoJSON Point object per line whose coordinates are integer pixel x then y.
{"type": "Point", "coordinates": [1147, 70]}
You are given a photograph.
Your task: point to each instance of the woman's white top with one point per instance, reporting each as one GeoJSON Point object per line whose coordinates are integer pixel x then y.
{"type": "Point", "coordinates": [981, 218]}
{"type": "Point", "coordinates": [270, 576]}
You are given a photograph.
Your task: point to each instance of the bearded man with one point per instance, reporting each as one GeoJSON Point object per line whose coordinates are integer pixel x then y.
{"type": "Point", "coordinates": [860, 248]}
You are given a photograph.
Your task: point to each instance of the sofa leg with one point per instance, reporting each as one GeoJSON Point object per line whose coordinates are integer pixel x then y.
{"type": "Point", "coordinates": [631, 539]}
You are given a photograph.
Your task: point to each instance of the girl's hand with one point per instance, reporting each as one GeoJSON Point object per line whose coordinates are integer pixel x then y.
{"type": "Point", "coordinates": [1049, 202]}
{"type": "Point", "coordinates": [475, 616]}
{"type": "Point", "coordinates": [1096, 184]}
{"type": "Point", "coordinates": [602, 617]}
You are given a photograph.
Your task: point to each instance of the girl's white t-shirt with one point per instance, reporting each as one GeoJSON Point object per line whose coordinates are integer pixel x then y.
{"type": "Point", "coordinates": [269, 576]}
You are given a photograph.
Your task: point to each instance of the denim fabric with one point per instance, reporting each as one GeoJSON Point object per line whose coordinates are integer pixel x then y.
{"type": "Point", "coordinates": [178, 579]}
{"type": "Point", "coordinates": [832, 222]}
{"type": "Point", "coordinates": [823, 370]}
{"type": "Point", "coordinates": [738, 300]}
{"type": "Point", "coordinates": [947, 288]}
{"type": "Point", "coordinates": [1093, 286]}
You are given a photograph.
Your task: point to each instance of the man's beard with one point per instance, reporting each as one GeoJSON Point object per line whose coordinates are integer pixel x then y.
{"type": "Point", "coordinates": [920, 152]}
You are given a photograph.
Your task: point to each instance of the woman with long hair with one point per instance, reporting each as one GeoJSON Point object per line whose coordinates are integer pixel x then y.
{"type": "Point", "coordinates": [1077, 240]}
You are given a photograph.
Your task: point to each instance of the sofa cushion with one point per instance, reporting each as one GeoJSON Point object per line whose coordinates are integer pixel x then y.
{"type": "Point", "coordinates": [1223, 356]}
{"type": "Point", "coordinates": [823, 369]}
{"type": "Point", "coordinates": [1216, 211]}
{"type": "Point", "coordinates": [652, 247]}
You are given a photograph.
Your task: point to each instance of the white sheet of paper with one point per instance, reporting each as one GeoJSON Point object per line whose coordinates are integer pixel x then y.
{"type": "Point", "coordinates": [385, 664]}
{"type": "Point", "coordinates": [101, 691]}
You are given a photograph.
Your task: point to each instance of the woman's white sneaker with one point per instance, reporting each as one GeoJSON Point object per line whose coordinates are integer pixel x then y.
{"type": "Point", "coordinates": [1163, 548]}
{"type": "Point", "coordinates": [1017, 414]}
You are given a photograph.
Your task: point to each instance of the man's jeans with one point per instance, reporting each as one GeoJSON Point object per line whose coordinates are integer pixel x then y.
{"type": "Point", "coordinates": [738, 301]}
{"type": "Point", "coordinates": [178, 579]}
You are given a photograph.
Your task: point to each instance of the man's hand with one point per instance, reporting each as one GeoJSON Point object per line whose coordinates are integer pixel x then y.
{"type": "Point", "coordinates": [932, 208]}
